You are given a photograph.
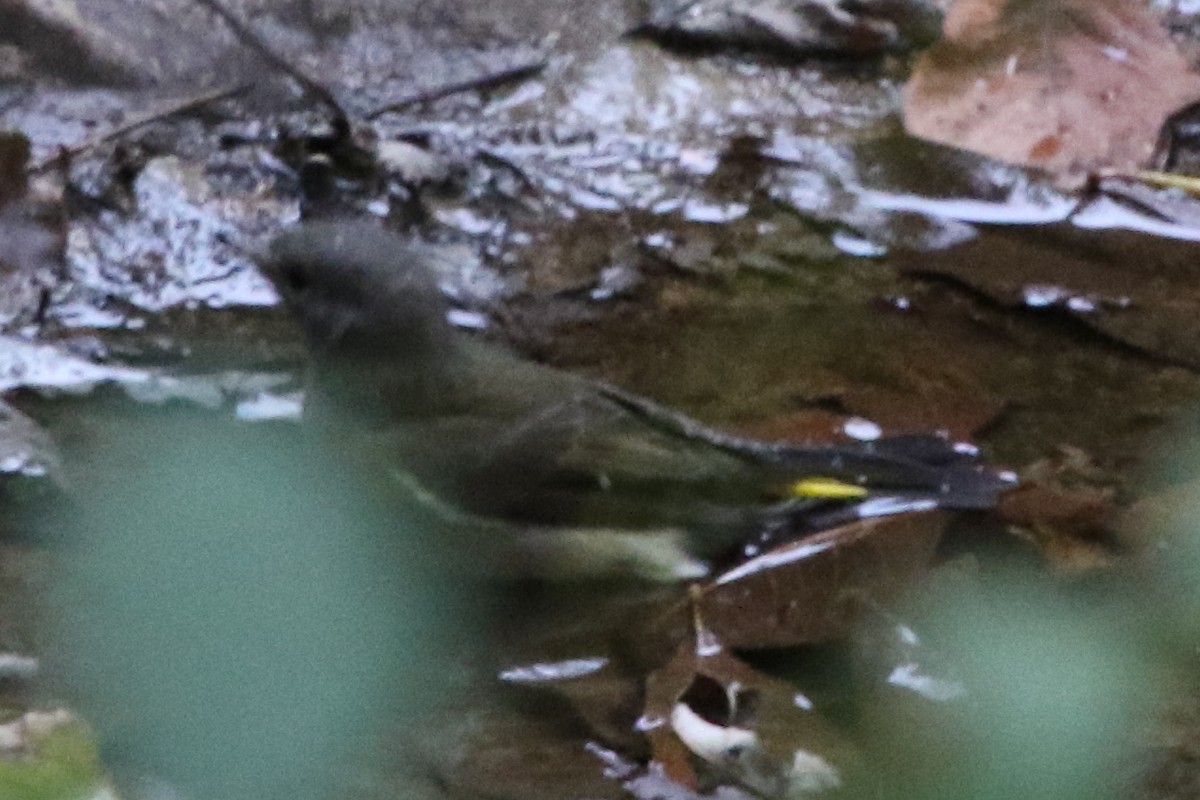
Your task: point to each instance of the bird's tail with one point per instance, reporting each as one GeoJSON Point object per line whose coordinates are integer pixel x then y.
{"type": "Point", "coordinates": [908, 469]}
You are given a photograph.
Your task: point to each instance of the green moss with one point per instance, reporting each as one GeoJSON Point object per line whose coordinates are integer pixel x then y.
{"type": "Point", "coordinates": [61, 765]}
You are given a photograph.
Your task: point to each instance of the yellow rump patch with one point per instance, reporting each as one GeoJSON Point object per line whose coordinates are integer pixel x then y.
{"type": "Point", "coordinates": [827, 488]}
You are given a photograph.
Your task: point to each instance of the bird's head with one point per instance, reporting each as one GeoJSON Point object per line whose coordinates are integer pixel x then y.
{"type": "Point", "coordinates": [357, 290]}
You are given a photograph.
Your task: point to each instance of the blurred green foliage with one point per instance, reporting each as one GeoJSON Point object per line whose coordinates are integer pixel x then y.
{"type": "Point", "coordinates": [1055, 686]}
{"type": "Point", "coordinates": [234, 616]}
{"type": "Point", "coordinates": [62, 764]}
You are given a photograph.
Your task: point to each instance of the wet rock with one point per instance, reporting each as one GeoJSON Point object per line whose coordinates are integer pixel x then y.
{"type": "Point", "coordinates": [183, 246]}
{"type": "Point", "coordinates": [25, 449]}
{"type": "Point", "coordinates": [50, 368]}
{"type": "Point", "coordinates": [110, 42]}
{"type": "Point", "coordinates": [31, 241]}
{"type": "Point", "coordinates": [29, 267]}
{"type": "Point", "coordinates": [411, 164]}
{"type": "Point", "coordinates": [31, 479]}
{"type": "Point", "coordinates": [789, 27]}
{"type": "Point", "coordinates": [53, 39]}
{"type": "Point", "coordinates": [1132, 288]}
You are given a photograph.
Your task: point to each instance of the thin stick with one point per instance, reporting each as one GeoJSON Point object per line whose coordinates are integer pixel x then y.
{"type": "Point", "coordinates": [251, 40]}
{"type": "Point", "coordinates": [481, 83]}
{"type": "Point", "coordinates": [164, 111]}
{"type": "Point", "coordinates": [495, 159]}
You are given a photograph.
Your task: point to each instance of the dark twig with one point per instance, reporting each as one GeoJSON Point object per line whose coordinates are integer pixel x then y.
{"type": "Point", "coordinates": [251, 40]}
{"type": "Point", "coordinates": [163, 112]}
{"type": "Point", "coordinates": [496, 160]}
{"type": "Point", "coordinates": [480, 83]}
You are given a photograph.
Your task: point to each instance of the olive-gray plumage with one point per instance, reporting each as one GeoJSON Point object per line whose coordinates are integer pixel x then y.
{"type": "Point", "coordinates": [506, 438]}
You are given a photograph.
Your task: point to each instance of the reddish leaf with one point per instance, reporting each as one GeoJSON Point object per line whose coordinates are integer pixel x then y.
{"type": "Point", "coordinates": [813, 589]}
{"type": "Point", "coordinates": [801, 427]}
{"type": "Point", "coordinates": [1066, 85]}
{"type": "Point", "coordinates": [777, 743]}
{"type": "Point", "coordinates": [947, 401]}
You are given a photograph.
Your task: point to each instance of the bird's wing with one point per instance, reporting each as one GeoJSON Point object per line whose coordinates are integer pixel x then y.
{"type": "Point", "coordinates": [586, 435]}
{"type": "Point", "coordinates": [562, 426]}
{"type": "Point", "coordinates": [921, 465]}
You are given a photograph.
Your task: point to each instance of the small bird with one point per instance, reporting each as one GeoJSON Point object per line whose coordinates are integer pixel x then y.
{"type": "Point", "coordinates": [518, 449]}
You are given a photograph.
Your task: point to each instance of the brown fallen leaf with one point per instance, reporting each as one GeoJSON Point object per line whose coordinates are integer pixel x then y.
{"type": "Point", "coordinates": [959, 411]}
{"type": "Point", "coordinates": [800, 427]}
{"type": "Point", "coordinates": [943, 401]}
{"type": "Point", "coordinates": [936, 396]}
{"type": "Point", "coordinates": [707, 704]}
{"type": "Point", "coordinates": [1069, 86]}
{"type": "Point", "coordinates": [812, 590]}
